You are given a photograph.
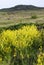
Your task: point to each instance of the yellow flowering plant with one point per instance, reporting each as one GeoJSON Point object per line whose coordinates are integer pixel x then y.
{"type": "Point", "coordinates": [21, 44]}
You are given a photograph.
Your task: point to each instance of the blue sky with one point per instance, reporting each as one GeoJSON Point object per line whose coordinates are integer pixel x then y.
{"type": "Point", "coordinates": [11, 3]}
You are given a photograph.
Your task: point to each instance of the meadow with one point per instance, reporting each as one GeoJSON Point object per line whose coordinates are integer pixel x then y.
{"type": "Point", "coordinates": [13, 18]}
{"type": "Point", "coordinates": [22, 37]}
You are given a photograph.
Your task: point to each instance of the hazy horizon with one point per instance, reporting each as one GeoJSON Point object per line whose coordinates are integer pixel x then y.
{"type": "Point", "coordinates": [12, 3]}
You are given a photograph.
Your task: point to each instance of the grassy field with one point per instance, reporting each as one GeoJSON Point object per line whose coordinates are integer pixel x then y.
{"type": "Point", "coordinates": [12, 18]}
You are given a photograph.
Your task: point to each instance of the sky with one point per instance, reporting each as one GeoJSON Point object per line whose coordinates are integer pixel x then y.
{"type": "Point", "coordinates": [12, 3]}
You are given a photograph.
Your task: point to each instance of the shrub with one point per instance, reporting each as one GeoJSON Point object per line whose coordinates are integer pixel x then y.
{"type": "Point", "coordinates": [20, 46]}
{"type": "Point", "coordinates": [34, 17]}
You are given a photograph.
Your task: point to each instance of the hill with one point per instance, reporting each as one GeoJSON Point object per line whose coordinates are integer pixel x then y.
{"type": "Point", "coordinates": [22, 7]}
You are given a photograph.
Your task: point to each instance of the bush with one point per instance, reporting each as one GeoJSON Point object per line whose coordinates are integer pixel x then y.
{"type": "Point", "coordinates": [34, 17]}
{"type": "Point", "coordinates": [20, 46]}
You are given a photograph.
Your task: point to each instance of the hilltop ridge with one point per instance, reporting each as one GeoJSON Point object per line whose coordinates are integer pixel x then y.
{"type": "Point", "coordinates": [22, 7]}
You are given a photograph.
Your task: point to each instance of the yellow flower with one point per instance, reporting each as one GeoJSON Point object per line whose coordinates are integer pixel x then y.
{"type": "Point", "coordinates": [0, 59]}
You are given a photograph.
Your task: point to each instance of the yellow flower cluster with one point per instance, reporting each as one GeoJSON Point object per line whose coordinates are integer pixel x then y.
{"type": "Point", "coordinates": [40, 59]}
{"type": "Point", "coordinates": [21, 39]}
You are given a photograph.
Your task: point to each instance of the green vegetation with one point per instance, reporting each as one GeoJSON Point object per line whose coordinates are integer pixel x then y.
{"type": "Point", "coordinates": [16, 17]}
{"type": "Point", "coordinates": [23, 46]}
{"type": "Point", "coordinates": [34, 17]}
